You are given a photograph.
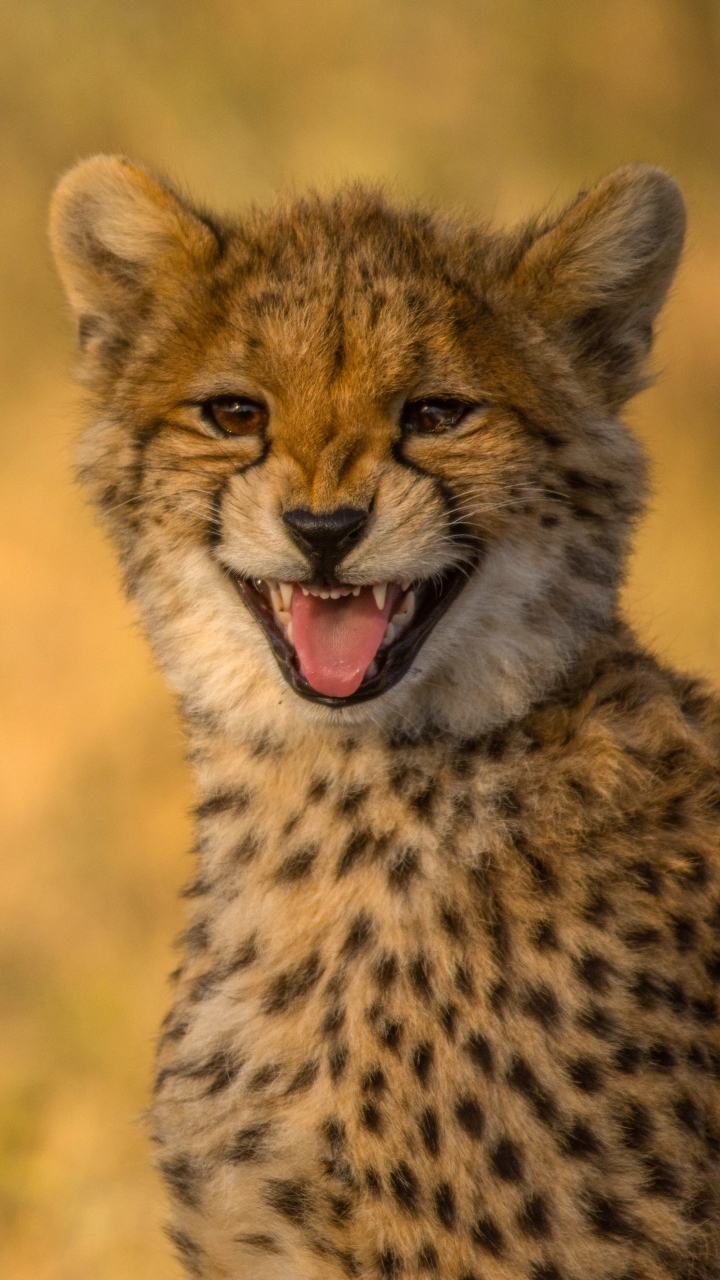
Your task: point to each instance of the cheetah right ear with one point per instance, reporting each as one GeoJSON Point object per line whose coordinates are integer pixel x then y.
{"type": "Point", "coordinates": [119, 239]}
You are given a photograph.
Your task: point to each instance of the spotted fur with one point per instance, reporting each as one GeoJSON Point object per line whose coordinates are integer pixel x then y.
{"type": "Point", "coordinates": [447, 1003]}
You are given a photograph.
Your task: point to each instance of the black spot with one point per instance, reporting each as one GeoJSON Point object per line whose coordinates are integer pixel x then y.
{"type": "Point", "coordinates": [422, 1060]}
{"type": "Point", "coordinates": [499, 996]}
{"type": "Point", "coordinates": [686, 1110]}
{"type": "Point", "coordinates": [222, 802]}
{"type": "Point", "coordinates": [546, 1271]}
{"type": "Point", "coordinates": [351, 799]}
{"type": "Point", "coordinates": [447, 1014]}
{"type": "Point", "coordinates": [647, 876]}
{"type": "Point", "coordinates": [249, 1144]}
{"type": "Point", "coordinates": [403, 868]}
{"type": "Point", "coordinates": [430, 1130]}
{"type": "Point", "coordinates": [543, 936]}
{"type": "Point", "coordinates": [422, 801]}
{"type": "Point", "coordinates": [386, 970]}
{"type": "Point", "coordinates": [246, 954]}
{"type": "Point", "coordinates": [263, 1077]}
{"type": "Point", "coordinates": [297, 866]}
{"type": "Point", "coordinates": [341, 1209]}
{"type": "Point", "coordinates": [585, 1075]}
{"type": "Point", "coordinates": [197, 936]}
{"type": "Point", "coordinates": [463, 981]}
{"type": "Point", "coordinates": [190, 1253]}
{"type": "Point", "coordinates": [487, 1234]}
{"type": "Point", "coordinates": [390, 1034]}
{"type": "Point", "coordinates": [598, 909]}
{"type": "Point", "coordinates": [685, 933]}
{"type": "Point", "coordinates": [359, 933]}
{"type": "Point", "coordinates": [645, 990]}
{"type": "Point", "coordinates": [290, 1198]}
{"type": "Point", "coordinates": [660, 1057]}
{"type": "Point", "coordinates": [542, 873]}
{"type": "Point", "coordinates": [506, 1160]}
{"type": "Point", "coordinates": [705, 1010]}
{"type": "Point", "coordinates": [712, 966]}
{"type": "Point", "coordinates": [333, 1021]}
{"type": "Point", "coordinates": [597, 1021]}
{"type": "Point", "coordinates": [533, 1218]}
{"type": "Point", "coordinates": [337, 1061]}
{"type": "Point", "coordinates": [542, 1004]}
{"type": "Point", "coordinates": [182, 1176]}
{"type": "Point", "coordinates": [353, 851]}
{"type": "Point", "coordinates": [304, 1077]}
{"type": "Point", "coordinates": [608, 1216]}
{"type": "Point", "coordinates": [317, 789]}
{"type": "Point", "coordinates": [580, 1141]}
{"type": "Point", "coordinates": [420, 976]}
{"type": "Point", "coordinates": [261, 1242]}
{"type": "Point", "coordinates": [522, 1078]}
{"type": "Point", "coordinates": [469, 1115]}
{"type": "Point", "coordinates": [661, 1178]}
{"type": "Point", "coordinates": [372, 1181]}
{"type": "Point", "coordinates": [390, 1264]}
{"type": "Point", "coordinates": [480, 1053]}
{"type": "Point", "coordinates": [404, 1187]}
{"type": "Point", "coordinates": [428, 1258]}
{"type": "Point", "coordinates": [371, 1117]}
{"type": "Point", "coordinates": [374, 1081]}
{"type": "Point", "coordinates": [244, 852]}
{"type": "Point", "coordinates": [641, 937]}
{"type": "Point", "coordinates": [292, 986]}
{"type": "Point", "coordinates": [445, 1205]}
{"type": "Point", "coordinates": [594, 971]}
{"type": "Point", "coordinates": [628, 1058]}
{"type": "Point", "coordinates": [452, 921]}
{"type": "Point", "coordinates": [636, 1126]}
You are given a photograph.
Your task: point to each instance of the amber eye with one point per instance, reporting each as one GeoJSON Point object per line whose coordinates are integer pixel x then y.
{"type": "Point", "coordinates": [237, 416]}
{"type": "Point", "coordinates": [432, 417]}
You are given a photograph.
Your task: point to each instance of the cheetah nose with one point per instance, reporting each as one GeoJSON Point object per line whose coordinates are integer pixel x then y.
{"type": "Point", "coordinates": [326, 536]}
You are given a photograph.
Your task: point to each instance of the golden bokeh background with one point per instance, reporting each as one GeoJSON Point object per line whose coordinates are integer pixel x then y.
{"type": "Point", "coordinates": [495, 105]}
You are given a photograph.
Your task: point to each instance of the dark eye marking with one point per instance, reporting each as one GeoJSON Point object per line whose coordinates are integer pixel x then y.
{"type": "Point", "coordinates": [434, 416]}
{"type": "Point", "coordinates": [236, 415]}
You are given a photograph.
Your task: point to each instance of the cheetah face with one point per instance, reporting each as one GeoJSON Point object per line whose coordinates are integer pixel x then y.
{"type": "Point", "coordinates": [356, 450]}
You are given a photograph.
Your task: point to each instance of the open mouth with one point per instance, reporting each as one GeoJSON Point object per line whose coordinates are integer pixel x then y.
{"type": "Point", "coordinates": [346, 644]}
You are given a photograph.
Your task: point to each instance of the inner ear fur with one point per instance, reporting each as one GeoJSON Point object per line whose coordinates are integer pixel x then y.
{"type": "Point", "coordinates": [119, 237]}
{"type": "Point", "coordinates": [598, 275]}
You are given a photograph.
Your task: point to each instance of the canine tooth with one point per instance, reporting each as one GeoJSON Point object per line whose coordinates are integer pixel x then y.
{"type": "Point", "coordinates": [286, 592]}
{"type": "Point", "coordinates": [409, 604]}
{"type": "Point", "coordinates": [372, 670]}
{"type": "Point", "coordinates": [289, 630]}
{"type": "Point", "coordinates": [405, 583]}
{"type": "Point", "coordinates": [276, 598]}
{"type": "Point", "coordinates": [390, 634]}
{"type": "Point", "coordinates": [379, 592]}
{"type": "Point", "coordinates": [283, 617]}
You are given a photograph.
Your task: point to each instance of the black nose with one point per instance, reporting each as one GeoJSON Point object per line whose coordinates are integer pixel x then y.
{"type": "Point", "coordinates": [326, 536]}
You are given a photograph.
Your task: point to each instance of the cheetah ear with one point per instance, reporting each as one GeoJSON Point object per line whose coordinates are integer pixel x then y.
{"type": "Point", "coordinates": [120, 238]}
{"type": "Point", "coordinates": [598, 276]}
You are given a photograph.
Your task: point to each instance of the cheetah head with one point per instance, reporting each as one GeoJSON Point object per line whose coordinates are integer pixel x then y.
{"type": "Point", "coordinates": [368, 457]}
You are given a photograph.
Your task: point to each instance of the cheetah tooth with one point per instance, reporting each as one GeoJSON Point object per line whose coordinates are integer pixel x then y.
{"type": "Point", "coordinates": [286, 591]}
{"type": "Point", "coordinates": [405, 583]}
{"type": "Point", "coordinates": [390, 633]}
{"type": "Point", "coordinates": [275, 597]}
{"type": "Point", "coordinates": [380, 592]}
{"type": "Point", "coordinates": [372, 670]}
{"type": "Point", "coordinates": [404, 616]}
{"type": "Point", "coordinates": [356, 591]}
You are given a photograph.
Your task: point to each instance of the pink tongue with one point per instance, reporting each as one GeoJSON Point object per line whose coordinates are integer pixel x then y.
{"type": "Point", "coordinates": [336, 640]}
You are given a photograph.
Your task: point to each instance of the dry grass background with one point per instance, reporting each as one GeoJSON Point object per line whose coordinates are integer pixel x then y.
{"type": "Point", "coordinates": [497, 105]}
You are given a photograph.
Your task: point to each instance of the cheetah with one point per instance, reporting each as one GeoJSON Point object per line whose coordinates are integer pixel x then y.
{"type": "Point", "coordinates": [447, 1003]}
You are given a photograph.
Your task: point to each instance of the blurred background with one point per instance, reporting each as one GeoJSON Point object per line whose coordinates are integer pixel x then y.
{"type": "Point", "coordinates": [495, 105]}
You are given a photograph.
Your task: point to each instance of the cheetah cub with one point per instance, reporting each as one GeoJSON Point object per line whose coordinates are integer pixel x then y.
{"type": "Point", "coordinates": [447, 1003]}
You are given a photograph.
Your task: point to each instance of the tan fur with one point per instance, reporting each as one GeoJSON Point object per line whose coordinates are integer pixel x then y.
{"type": "Point", "coordinates": [446, 1004]}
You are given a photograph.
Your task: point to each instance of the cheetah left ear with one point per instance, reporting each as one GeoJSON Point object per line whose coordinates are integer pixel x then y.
{"type": "Point", "coordinates": [120, 239]}
{"type": "Point", "coordinates": [598, 276]}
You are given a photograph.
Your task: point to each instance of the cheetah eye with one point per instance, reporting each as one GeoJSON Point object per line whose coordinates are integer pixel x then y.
{"type": "Point", "coordinates": [236, 415]}
{"type": "Point", "coordinates": [432, 417]}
